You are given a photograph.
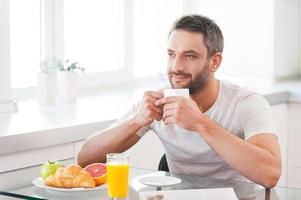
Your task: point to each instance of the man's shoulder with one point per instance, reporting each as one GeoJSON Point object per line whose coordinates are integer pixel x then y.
{"type": "Point", "coordinates": [245, 99]}
{"type": "Point", "coordinates": [241, 96]}
{"type": "Point", "coordinates": [232, 90]}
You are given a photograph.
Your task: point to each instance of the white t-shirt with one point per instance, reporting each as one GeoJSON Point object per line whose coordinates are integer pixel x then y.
{"type": "Point", "coordinates": [242, 112]}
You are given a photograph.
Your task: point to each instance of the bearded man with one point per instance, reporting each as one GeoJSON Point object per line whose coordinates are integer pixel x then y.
{"type": "Point", "coordinates": [223, 130]}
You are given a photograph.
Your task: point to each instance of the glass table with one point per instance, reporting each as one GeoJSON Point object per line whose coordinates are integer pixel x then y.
{"type": "Point", "coordinates": [190, 188]}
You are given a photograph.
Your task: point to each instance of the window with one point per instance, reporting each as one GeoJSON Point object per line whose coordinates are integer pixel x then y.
{"type": "Point", "coordinates": [25, 42]}
{"type": "Point", "coordinates": [117, 40]}
{"type": "Point", "coordinates": [152, 22]}
{"type": "Point", "coordinates": [93, 33]}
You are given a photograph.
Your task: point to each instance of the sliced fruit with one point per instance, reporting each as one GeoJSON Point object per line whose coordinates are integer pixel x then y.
{"type": "Point", "coordinates": [98, 171]}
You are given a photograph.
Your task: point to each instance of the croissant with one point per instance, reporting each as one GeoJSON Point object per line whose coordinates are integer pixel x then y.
{"type": "Point", "coordinates": [72, 176]}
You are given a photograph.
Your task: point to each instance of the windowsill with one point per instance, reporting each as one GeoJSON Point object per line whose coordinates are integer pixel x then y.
{"type": "Point", "coordinates": [35, 126]}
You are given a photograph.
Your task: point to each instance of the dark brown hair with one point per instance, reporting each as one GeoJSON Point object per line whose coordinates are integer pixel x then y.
{"type": "Point", "coordinates": [213, 36]}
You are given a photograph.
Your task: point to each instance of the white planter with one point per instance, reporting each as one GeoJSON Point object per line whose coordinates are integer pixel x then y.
{"type": "Point", "coordinates": [47, 88]}
{"type": "Point", "coordinates": [67, 86]}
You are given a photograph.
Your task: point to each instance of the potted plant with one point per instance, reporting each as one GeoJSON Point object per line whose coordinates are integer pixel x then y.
{"type": "Point", "coordinates": [67, 79]}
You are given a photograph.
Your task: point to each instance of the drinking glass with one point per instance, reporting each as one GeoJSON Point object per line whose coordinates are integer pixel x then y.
{"type": "Point", "coordinates": [118, 176]}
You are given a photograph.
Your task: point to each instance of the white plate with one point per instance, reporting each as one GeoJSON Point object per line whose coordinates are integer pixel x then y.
{"type": "Point", "coordinates": [159, 181]}
{"type": "Point", "coordinates": [40, 183]}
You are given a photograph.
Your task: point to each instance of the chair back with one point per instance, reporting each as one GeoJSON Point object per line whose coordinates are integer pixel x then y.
{"type": "Point", "coordinates": [163, 166]}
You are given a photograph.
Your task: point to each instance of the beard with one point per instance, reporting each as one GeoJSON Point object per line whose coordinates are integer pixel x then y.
{"type": "Point", "coordinates": [195, 85]}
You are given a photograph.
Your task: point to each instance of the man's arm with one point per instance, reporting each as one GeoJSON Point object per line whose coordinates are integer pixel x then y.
{"type": "Point", "coordinates": [123, 135]}
{"type": "Point", "coordinates": [258, 158]}
{"type": "Point", "coordinates": [115, 139]}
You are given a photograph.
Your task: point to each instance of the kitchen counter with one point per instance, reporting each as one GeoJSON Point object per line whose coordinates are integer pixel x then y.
{"type": "Point", "coordinates": [35, 126]}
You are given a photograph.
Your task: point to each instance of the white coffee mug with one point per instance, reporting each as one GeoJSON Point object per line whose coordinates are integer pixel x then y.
{"type": "Point", "coordinates": [183, 92]}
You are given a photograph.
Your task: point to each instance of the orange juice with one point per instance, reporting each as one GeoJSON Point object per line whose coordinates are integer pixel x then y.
{"type": "Point", "coordinates": [117, 179]}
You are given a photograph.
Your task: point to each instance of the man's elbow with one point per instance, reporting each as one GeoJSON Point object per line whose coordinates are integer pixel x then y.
{"type": "Point", "coordinates": [88, 155]}
{"type": "Point", "coordinates": [272, 178]}
{"type": "Point", "coordinates": [84, 156]}
{"type": "Point", "coordinates": [81, 158]}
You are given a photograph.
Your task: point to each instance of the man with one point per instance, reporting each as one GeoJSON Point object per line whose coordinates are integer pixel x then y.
{"type": "Point", "coordinates": [222, 130]}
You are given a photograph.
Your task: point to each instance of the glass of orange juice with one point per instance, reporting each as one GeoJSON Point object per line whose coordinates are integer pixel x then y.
{"type": "Point", "coordinates": [118, 176]}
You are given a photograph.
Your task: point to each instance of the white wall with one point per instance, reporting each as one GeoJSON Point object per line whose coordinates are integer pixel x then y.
{"type": "Point", "coordinates": [286, 38]}
{"type": "Point", "coordinates": [294, 148]}
{"type": "Point", "coordinates": [299, 39]}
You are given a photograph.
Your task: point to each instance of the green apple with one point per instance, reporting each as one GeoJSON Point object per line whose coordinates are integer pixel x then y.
{"type": "Point", "coordinates": [49, 168]}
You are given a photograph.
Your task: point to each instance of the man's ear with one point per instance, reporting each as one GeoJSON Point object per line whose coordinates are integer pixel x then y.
{"type": "Point", "coordinates": [216, 60]}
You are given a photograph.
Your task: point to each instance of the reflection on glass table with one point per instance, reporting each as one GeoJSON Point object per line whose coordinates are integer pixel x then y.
{"type": "Point", "coordinates": [189, 187]}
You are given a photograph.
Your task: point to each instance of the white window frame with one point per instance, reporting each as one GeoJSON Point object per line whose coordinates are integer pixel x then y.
{"type": "Point", "coordinates": [52, 34]}
{"type": "Point", "coordinates": [52, 46]}
{"type": "Point", "coordinates": [6, 103]}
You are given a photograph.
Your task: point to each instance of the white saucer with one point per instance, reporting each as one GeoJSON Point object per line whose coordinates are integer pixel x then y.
{"type": "Point", "coordinates": [40, 183]}
{"type": "Point", "coordinates": [159, 181]}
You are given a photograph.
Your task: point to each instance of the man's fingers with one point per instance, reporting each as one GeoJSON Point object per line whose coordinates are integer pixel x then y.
{"type": "Point", "coordinates": [161, 91]}
{"type": "Point", "coordinates": [166, 100]}
{"type": "Point", "coordinates": [151, 101]}
{"type": "Point", "coordinates": [156, 109]}
{"type": "Point", "coordinates": [158, 117]}
{"type": "Point", "coordinates": [169, 120]}
{"type": "Point", "coordinates": [155, 115]}
{"type": "Point", "coordinates": [168, 113]}
{"type": "Point", "coordinates": [154, 94]}
{"type": "Point", "coordinates": [169, 106]}
{"type": "Point", "coordinates": [160, 102]}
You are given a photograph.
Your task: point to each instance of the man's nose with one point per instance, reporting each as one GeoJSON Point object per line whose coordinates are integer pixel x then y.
{"type": "Point", "coordinates": [177, 65]}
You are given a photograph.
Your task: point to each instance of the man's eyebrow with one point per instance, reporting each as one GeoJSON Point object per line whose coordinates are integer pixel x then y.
{"type": "Point", "coordinates": [187, 51]}
{"type": "Point", "coordinates": [191, 51]}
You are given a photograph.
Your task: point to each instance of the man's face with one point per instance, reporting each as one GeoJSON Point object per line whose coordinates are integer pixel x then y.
{"type": "Point", "coordinates": [188, 66]}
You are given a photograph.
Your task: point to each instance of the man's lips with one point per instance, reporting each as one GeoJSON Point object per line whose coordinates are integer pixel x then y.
{"type": "Point", "coordinates": [179, 77]}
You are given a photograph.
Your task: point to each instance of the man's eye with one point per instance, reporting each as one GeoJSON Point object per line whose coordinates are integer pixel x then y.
{"type": "Point", "coordinates": [170, 54]}
{"type": "Point", "coordinates": [190, 56]}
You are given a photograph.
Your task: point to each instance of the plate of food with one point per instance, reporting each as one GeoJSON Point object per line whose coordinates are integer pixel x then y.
{"type": "Point", "coordinates": [39, 182]}
{"type": "Point", "coordinates": [71, 178]}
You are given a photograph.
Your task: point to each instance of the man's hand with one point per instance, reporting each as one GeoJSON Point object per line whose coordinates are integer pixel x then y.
{"type": "Point", "coordinates": [148, 111]}
{"type": "Point", "coordinates": [181, 111]}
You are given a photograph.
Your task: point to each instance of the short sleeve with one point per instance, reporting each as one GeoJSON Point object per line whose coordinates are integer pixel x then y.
{"type": "Point", "coordinates": [130, 112]}
{"type": "Point", "coordinates": [256, 116]}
